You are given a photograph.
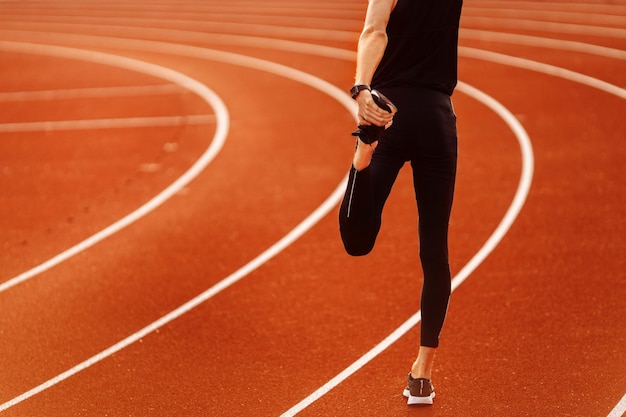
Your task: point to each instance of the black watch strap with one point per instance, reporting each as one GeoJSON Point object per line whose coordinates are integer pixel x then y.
{"type": "Point", "coordinates": [355, 90]}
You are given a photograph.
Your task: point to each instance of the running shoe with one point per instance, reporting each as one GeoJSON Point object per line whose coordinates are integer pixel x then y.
{"type": "Point", "coordinates": [383, 102]}
{"type": "Point", "coordinates": [419, 391]}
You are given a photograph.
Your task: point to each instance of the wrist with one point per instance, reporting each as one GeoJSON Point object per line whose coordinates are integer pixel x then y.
{"type": "Point", "coordinates": [357, 88]}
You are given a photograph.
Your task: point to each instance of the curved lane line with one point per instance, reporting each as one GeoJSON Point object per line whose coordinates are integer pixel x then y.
{"type": "Point", "coordinates": [553, 27]}
{"type": "Point", "coordinates": [177, 35]}
{"type": "Point", "coordinates": [117, 123]}
{"type": "Point", "coordinates": [588, 17]}
{"type": "Point", "coordinates": [95, 92]}
{"type": "Point", "coordinates": [251, 29]}
{"type": "Point", "coordinates": [536, 41]}
{"type": "Point", "coordinates": [543, 68]}
{"type": "Point", "coordinates": [222, 125]}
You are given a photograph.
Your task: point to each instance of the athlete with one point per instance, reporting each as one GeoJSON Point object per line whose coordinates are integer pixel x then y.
{"type": "Point", "coordinates": [406, 71]}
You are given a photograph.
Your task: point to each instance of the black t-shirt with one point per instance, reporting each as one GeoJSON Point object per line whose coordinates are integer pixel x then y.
{"type": "Point", "coordinates": [422, 45]}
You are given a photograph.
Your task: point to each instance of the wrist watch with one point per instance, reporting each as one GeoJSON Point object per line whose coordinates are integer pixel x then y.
{"type": "Point", "coordinates": [355, 90]}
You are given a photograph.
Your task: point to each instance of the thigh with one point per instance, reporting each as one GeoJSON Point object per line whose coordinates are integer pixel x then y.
{"type": "Point", "coordinates": [434, 181]}
{"type": "Point", "coordinates": [385, 166]}
{"type": "Point", "coordinates": [434, 163]}
{"type": "Point", "coordinates": [423, 132]}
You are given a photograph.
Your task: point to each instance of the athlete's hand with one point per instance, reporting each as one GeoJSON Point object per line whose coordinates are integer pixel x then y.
{"type": "Point", "coordinates": [369, 112]}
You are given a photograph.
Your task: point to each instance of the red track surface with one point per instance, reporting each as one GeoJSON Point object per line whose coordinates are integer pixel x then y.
{"type": "Point", "coordinates": [536, 330]}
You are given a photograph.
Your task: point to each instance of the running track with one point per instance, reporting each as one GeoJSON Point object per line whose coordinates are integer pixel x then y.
{"type": "Point", "coordinates": [169, 176]}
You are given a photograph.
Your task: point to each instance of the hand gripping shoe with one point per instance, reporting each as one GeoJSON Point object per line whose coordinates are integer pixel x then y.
{"type": "Point", "coordinates": [371, 133]}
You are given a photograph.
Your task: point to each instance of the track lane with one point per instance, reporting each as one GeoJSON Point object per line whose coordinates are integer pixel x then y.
{"type": "Point", "coordinates": [190, 386]}
{"type": "Point", "coordinates": [79, 164]}
{"type": "Point", "coordinates": [326, 154]}
{"type": "Point", "coordinates": [123, 63]}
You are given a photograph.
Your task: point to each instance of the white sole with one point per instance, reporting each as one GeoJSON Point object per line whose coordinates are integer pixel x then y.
{"type": "Point", "coordinates": [411, 400]}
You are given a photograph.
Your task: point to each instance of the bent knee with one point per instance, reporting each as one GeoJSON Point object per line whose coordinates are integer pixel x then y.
{"type": "Point", "coordinates": [357, 248]}
{"type": "Point", "coordinates": [358, 252]}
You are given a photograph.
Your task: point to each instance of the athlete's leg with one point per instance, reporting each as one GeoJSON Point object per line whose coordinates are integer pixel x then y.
{"type": "Point", "coordinates": [434, 191]}
{"type": "Point", "coordinates": [434, 175]}
{"type": "Point", "coordinates": [434, 187]}
{"type": "Point", "coordinates": [366, 192]}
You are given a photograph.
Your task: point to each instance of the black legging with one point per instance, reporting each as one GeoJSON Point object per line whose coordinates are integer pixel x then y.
{"type": "Point", "coordinates": [424, 133]}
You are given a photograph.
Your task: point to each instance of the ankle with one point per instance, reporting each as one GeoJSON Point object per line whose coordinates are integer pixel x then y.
{"type": "Point", "coordinates": [422, 375]}
{"type": "Point", "coordinates": [363, 155]}
{"type": "Point", "coordinates": [423, 365]}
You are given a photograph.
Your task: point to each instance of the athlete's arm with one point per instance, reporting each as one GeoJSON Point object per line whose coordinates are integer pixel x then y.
{"type": "Point", "coordinates": [371, 47]}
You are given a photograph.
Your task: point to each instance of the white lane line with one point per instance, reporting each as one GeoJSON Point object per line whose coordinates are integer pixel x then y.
{"type": "Point", "coordinates": [570, 6]}
{"type": "Point", "coordinates": [94, 92]}
{"type": "Point", "coordinates": [329, 204]}
{"type": "Point", "coordinates": [526, 40]}
{"type": "Point", "coordinates": [620, 408]}
{"type": "Point", "coordinates": [588, 17]}
{"type": "Point", "coordinates": [121, 123]}
{"type": "Point", "coordinates": [543, 68]}
{"type": "Point", "coordinates": [206, 10]}
{"type": "Point", "coordinates": [205, 26]}
{"type": "Point", "coordinates": [552, 27]}
{"type": "Point", "coordinates": [499, 233]}
{"type": "Point", "coordinates": [176, 35]}
{"type": "Point", "coordinates": [222, 122]}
